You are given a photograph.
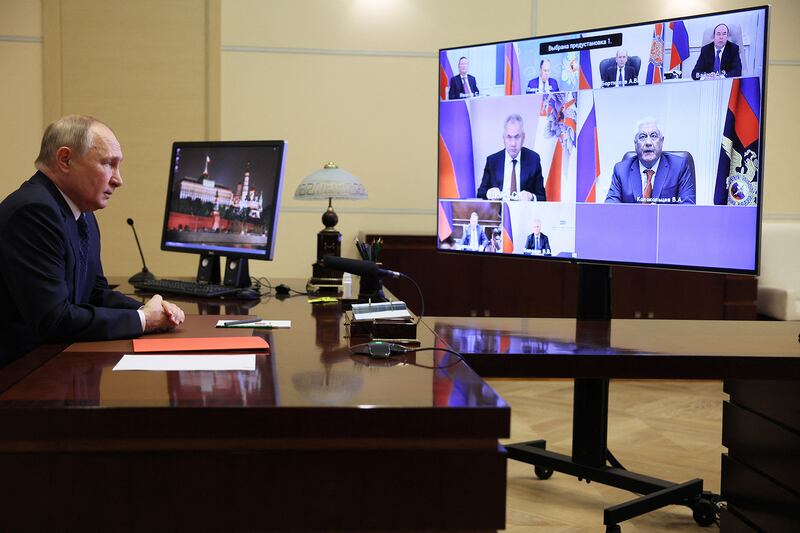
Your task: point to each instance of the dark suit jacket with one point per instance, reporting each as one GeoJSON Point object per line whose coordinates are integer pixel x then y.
{"type": "Point", "coordinates": [609, 75]}
{"type": "Point", "coordinates": [42, 301]}
{"type": "Point", "coordinates": [533, 85]}
{"type": "Point", "coordinates": [457, 87]}
{"type": "Point", "coordinates": [731, 62]}
{"type": "Point", "coordinates": [482, 238]}
{"type": "Point", "coordinates": [674, 179]}
{"type": "Point", "coordinates": [544, 243]}
{"type": "Point", "coordinates": [531, 179]}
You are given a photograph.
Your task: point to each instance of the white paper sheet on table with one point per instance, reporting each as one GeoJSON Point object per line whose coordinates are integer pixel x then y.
{"type": "Point", "coordinates": [161, 362]}
{"type": "Point", "coordinates": [263, 324]}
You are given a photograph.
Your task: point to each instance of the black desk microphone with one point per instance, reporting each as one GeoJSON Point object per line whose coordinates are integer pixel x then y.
{"type": "Point", "coordinates": [144, 275]}
{"type": "Point", "coordinates": [358, 267]}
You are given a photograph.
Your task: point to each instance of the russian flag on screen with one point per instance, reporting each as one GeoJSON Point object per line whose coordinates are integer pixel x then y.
{"type": "Point", "coordinates": [445, 220]}
{"type": "Point", "coordinates": [588, 151]}
{"type": "Point", "coordinates": [512, 75]}
{"type": "Point", "coordinates": [655, 66]}
{"type": "Point", "coordinates": [508, 236]}
{"type": "Point", "coordinates": [680, 44]}
{"type": "Point", "coordinates": [456, 170]}
{"type": "Point", "coordinates": [737, 172]}
{"type": "Point", "coordinates": [445, 73]}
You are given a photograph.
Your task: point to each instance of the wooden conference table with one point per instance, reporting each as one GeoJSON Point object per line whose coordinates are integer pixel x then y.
{"type": "Point", "coordinates": [759, 362]}
{"type": "Point", "coordinates": [314, 439]}
{"type": "Point", "coordinates": [317, 438]}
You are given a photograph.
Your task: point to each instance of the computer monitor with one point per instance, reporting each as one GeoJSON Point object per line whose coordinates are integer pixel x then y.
{"type": "Point", "coordinates": [548, 146]}
{"type": "Point", "coordinates": [223, 199]}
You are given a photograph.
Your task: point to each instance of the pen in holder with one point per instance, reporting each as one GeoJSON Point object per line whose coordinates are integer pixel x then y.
{"type": "Point", "coordinates": [370, 288]}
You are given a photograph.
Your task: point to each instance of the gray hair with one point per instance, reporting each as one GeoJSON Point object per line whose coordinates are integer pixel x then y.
{"type": "Point", "coordinates": [646, 120]}
{"type": "Point", "coordinates": [72, 131]}
{"type": "Point", "coordinates": [514, 118]}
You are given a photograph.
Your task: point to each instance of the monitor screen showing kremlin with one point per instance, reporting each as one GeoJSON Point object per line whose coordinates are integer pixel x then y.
{"type": "Point", "coordinates": [639, 144]}
{"type": "Point", "coordinates": [223, 198]}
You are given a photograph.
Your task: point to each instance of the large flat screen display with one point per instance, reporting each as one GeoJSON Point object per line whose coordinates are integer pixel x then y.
{"type": "Point", "coordinates": [638, 144]}
{"type": "Point", "coordinates": [223, 198]}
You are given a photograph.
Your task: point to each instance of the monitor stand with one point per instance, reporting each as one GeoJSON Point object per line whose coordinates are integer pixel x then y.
{"type": "Point", "coordinates": [237, 271]}
{"type": "Point", "coordinates": [591, 460]}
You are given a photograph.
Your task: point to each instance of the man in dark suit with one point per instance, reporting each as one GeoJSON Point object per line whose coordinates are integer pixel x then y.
{"type": "Point", "coordinates": [462, 85]}
{"type": "Point", "coordinates": [515, 172]}
{"type": "Point", "coordinates": [544, 83]}
{"type": "Point", "coordinates": [619, 73]}
{"type": "Point", "coordinates": [474, 237]}
{"type": "Point", "coordinates": [537, 243]}
{"type": "Point", "coordinates": [719, 58]}
{"type": "Point", "coordinates": [652, 176]}
{"type": "Point", "coordinates": [51, 281]}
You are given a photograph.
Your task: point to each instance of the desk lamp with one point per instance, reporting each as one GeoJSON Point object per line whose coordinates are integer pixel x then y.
{"type": "Point", "coordinates": [326, 184]}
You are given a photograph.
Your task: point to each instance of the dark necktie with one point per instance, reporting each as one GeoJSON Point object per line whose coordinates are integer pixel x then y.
{"type": "Point", "coordinates": [83, 254]}
{"type": "Point", "coordinates": [648, 188]}
{"type": "Point", "coordinates": [717, 61]}
{"type": "Point", "coordinates": [619, 77]}
{"type": "Point", "coordinates": [537, 243]}
{"type": "Point", "coordinates": [513, 176]}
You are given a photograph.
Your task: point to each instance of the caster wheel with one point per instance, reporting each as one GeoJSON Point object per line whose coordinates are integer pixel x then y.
{"type": "Point", "coordinates": [704, 513]}
{"type": "Point", "coordinates": [613, 529]}
{"type": "Point", "coordinates": [542, 472]}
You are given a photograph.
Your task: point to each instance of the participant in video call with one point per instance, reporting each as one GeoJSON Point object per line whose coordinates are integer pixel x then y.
{"type": "Point", "coordinates": [474, 236]}
{"type": "Point", "coordinates": [544, 83]}
{"type": "Point", "coordinates": [495, 244]}
{"type": "Point", "coordinates": [463, 85]}
{"type": "Point", "coordinates": [515, 172]}
{"type": "Point", "coordinates": [719, 58]}
{"type": "Point", "coordinates": [619, 73]}
{"type": "Point", "coordinates": [652, 176]}
{"type": "Point", "coordinates": [537, 243]}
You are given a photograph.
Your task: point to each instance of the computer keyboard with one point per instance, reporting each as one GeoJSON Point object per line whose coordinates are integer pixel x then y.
{"type": "Point", "coordinates": [186, 288]}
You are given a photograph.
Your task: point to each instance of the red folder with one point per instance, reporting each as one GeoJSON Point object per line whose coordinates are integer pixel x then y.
{"type": "Point", "coordinates": [199, 344]}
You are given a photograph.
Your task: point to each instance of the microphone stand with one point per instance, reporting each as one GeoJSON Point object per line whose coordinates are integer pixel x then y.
{"type": "Point", "coordinates": [144, 275]}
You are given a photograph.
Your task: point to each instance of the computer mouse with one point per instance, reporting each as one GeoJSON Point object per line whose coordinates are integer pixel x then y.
{"type": "Point", "coordinates": [282, 289]}
{"type": "Point", "coordinates": [248, 294]}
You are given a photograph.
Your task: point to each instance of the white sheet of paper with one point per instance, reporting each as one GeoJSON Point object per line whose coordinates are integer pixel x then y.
{"type": "Point", "coordinates": [400, 313]}
{"type": "Point", "coordinates": [270, 324]}
{"type": "Point", "coordinates": [161, 362]}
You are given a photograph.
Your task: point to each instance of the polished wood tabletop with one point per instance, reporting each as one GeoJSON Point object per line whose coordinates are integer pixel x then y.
{"type": "Point", "coordinates": [308, 367]}
{"type": "Point", "coordinates": [680, 349]}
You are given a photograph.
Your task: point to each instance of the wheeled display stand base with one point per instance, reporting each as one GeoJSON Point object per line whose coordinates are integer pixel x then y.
{"type": "Point", "coordinates": [592, 461]}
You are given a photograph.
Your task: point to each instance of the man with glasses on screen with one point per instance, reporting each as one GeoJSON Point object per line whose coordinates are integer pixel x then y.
{"type": "Point", "coordinates": [474, 237]}
{"type": "Point", "coordinates": [652, 177]}
{"type": "Point", "coordinates": [51, 280]}
{"type": "Point", "coordinates": [515, 172]}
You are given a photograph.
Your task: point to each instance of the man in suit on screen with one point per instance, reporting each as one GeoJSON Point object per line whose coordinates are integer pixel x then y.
{"type": "Point", "coordinates": [544, 83]}
{"type": "Point", "coordinates": [620, 72]}
{"type": "Point", "coordinates": [474, 237]}
{"type": "Point", "coordinates": [51, 280]}
{"type": "Point", "coordinates": [652, 176]}
{"type": "Point", "coordinates": [719, 58]}
{"type": "Point", "coordinates": [462, 85]}
{"type": "Point", "coordinates": [537, 242]}
{"type": "Point", "coordinates": [515, 172]}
